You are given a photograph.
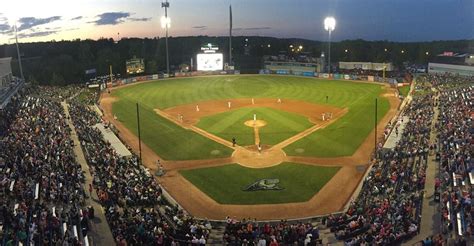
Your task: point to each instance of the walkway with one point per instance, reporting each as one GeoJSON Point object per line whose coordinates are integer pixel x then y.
{"type": "Point", "coordinates": [430, 216]}
{"type": "Point", "coordinates": [99, 233]}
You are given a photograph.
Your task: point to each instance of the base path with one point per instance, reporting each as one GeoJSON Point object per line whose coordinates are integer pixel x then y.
{"type": "Point", "coordinates": [331, 198]}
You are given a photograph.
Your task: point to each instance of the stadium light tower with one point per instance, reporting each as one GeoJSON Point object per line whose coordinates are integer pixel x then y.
{"type": "Point", "coordinates": [166, 24]}
{"type": "Point", "coordinates": [18, 49]}
{"type": "Point", "coordinates": [329, 25]}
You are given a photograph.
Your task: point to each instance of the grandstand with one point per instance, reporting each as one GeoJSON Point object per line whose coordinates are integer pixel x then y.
{"type": "Point", "coordinates": [9, 85]}
{"type": "Point", "coordinates": [5, 72]}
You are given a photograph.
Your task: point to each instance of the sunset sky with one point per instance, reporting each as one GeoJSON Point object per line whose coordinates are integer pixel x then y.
{"type": "Point", "coordinates": [396, 20]}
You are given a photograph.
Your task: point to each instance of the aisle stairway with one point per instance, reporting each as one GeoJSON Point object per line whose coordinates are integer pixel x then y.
{"type": "Point", "coordinates": [216, 235]}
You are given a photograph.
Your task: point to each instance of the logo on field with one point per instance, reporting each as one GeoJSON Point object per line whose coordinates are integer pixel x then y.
{"type": "Point", "coordinates": [264, 184]}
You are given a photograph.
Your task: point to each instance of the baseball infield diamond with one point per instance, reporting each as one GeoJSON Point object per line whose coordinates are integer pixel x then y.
{"type": "Point", "coordinates": [298, 182]}
{"type": "Point", "coordinates": [188, 124]}
{"type": "Point", "coordinates": [280, 125]}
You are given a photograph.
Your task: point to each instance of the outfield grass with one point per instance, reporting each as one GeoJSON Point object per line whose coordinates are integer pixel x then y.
{"type": "Point", "coordinates": [343, 137]}
{"type": "Point", "coordinates": [300, 182]}
{"type": "Point", "coordinates": [404, 90]}
{"type": "Point", "coordinates": [280, 125]}
{"type": "Point", "coordinates": [172, 142]}
{"type": "Point", "coordinates": [168, 140]}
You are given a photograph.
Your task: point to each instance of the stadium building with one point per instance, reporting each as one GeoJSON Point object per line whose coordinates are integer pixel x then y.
{"type": "Point", "coordinates": [5, 72]}
{"type": "Point", "coordinates": [455, 63]}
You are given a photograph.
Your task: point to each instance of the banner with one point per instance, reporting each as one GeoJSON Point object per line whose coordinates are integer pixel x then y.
{"type": "Point", "coordinates": [91, 71]}
{"type": "Point", "coordinates": [346, 76]}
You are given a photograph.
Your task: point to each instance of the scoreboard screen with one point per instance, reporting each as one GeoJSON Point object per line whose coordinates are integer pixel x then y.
{"type": "Point", "coordinates": [135, 66]}
{"type": "Point", "coordinates": [210, 62]}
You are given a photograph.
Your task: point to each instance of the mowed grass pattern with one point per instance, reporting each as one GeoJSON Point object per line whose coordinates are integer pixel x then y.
{"type": "Point", "coordinates": [280, 125]}
{"type": "Point", "coordinates": [172, 142]}
{"type": "Point", "coordinates": [300, 182]}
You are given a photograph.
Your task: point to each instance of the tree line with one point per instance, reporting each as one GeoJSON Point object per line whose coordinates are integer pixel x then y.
{"type": "Point", "coordinates": [63, 62]}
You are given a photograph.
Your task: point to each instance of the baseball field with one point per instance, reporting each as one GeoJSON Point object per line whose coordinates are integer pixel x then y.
{"type": "Point", "coordinates": [295, 138]}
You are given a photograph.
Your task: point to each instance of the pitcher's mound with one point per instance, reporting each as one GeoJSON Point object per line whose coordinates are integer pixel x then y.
{"type": "Point", "coordinates": [257, 123]}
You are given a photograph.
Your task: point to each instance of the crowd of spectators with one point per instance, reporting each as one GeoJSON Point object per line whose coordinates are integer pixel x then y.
{"type": "Point", "coordinates": [136, 211]}
{"type": "Point", "coordinates": [456, 131]}
{"type": "Point", "coordinates": [251, 232]}
{"type": "Point", "coordinates": [388, 208]}
{"type": "Point", "coordinates": [41, 183]}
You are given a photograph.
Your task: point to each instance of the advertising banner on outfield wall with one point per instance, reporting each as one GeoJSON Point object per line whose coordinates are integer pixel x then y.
{"type": "Point", "coordinates": [370, 78]}
{"type": "Point", "coordinates": [297, 73]}
{"type": "Point", "coordinates": [346, 76]}
{"type": "Point", "coordinates": [309, 74]}
{"type": "Point", "coordinates": [337, 76]}
{"type": "Point", "coordinates": [282, 72]}
{"type": "Point", "coordinates": [315, 74]}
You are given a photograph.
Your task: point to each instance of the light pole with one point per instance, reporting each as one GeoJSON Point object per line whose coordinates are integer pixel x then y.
{"type": "Point", "coordinates": [166, 23]}
{"type": "Point", "coordinates": [18, 53]}
{"type": "Point", "coordinates": [329, 25]}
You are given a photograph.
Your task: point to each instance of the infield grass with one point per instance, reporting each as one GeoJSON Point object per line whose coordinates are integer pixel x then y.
{"type": "Point", "coordinates": [280, 125]}
{"type": "Point", "coordinates": [299, 182]}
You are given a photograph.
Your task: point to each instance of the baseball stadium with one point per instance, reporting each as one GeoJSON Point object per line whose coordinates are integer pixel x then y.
{"type": "Point", "coordinates": [245, 123]}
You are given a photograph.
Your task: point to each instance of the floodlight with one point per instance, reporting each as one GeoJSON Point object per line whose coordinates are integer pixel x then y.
{"type": "Point", "coordinates": [329, 24]}
{"type": "Point", "coordinates": [165, 22]}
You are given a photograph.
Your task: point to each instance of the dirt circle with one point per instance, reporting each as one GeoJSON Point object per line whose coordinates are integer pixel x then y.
{"type": "Point", "coordinates": [256, 123]}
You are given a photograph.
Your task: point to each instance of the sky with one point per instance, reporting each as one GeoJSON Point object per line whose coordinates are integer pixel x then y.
{"type": "Point", "coordinates": [394, 20]}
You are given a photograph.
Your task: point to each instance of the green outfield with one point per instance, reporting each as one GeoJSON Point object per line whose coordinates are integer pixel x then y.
{"type": "Point", "coordinates": [175, 143]}
{"type": "Point", "coordinates": [299, 182]}
{"type": "Point", "coordinates": [280, 125]}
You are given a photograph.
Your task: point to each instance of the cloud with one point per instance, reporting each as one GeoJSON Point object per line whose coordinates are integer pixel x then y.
{"type": "Point", "coordinates": [140, 19]}
{"type": "Point", "coordinates": [36, 34]}
{"type": "Point", "coordinates": [111, 18]}
{"type": "Point", "coordinates": [5, 28]}
{"type": "Point", "coordinates": [29, 22]}
{"type": "Point", "coordinates": [199, 27]}
{"type": "Point", "coordinates": [77, 18]}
